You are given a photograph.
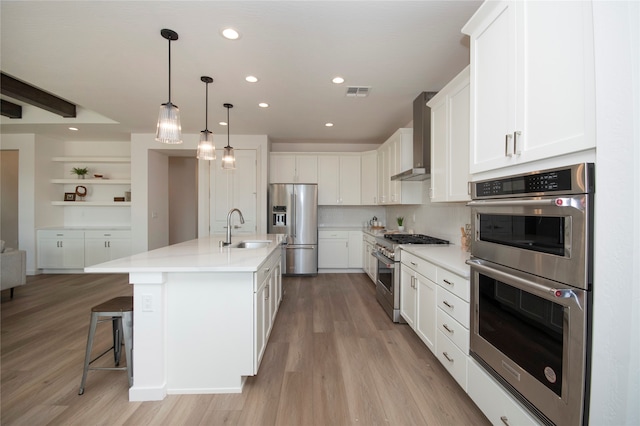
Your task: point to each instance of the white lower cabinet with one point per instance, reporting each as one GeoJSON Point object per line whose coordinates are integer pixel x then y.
{"type": "Point", "coordinates": [103, 246]}
{"type": "Point", "coordinates": [340, 249]}
{"type": "Point", "coordinates": [267, 297]}
{"type": "Point", "coordinates": [418, 297]}
{"type": "Point", "coordinates": [75, 249]}
{"type": "Point", "coordinates": [369, 263]}
{"type": "Point", "coordinates": [494, 401]}
{"type": "Point", "coordinates": [60, 249]}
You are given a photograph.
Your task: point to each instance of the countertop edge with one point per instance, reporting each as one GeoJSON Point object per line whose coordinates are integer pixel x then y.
{"type": "Point", "coordinates": [450, 257]}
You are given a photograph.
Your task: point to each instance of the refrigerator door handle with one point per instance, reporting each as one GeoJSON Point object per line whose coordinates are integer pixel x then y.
{"type": "Point", "coordinates": [289, 247]}
{"type": "Point", "coordinates": [293, 218]}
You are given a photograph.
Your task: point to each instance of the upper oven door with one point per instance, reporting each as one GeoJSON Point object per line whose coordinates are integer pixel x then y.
{"type": "Point", "coordinates": [544, 236]}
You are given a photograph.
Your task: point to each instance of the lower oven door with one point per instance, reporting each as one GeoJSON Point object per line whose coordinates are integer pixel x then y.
{"type": "Point", "coordinates": [386, 273]}
{"type": "Point", "coordinates": [532, 334]}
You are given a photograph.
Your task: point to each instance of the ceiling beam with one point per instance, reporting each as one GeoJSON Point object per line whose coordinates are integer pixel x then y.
{"type": "Point", "coordinates": [16, 89]}
{"type": "Point", "coordinates": [9, 109]}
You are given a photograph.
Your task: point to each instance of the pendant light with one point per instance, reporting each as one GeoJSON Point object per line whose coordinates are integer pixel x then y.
{"type": "Point", "coordinates": [206, 148]}
{"type": "Point", "coordinates": [169, 130]}
{"type": "Point", "coordinates": [228, 157]}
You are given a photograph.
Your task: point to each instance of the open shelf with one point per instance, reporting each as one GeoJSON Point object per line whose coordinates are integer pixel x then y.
{"type": "Point", "coordinates": [91, 203]}
{"type": "Point", "coordinates": [92, 159]}
{"type": "Point", "coordinates": [92, 181]}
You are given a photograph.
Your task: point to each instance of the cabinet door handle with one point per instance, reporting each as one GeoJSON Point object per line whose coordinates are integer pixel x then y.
{"type": "Point", "coordinates": [447, 282]}
{"type": "Point", "coordinates": [516, 136]}
{"type": "Point", "coordinates": [505, 420]}
{"type": "Point", "coordinates": [507, 153]}
{"type": "Point", "coordinates": [447, 304]}
{"type": "Point", "coordinates": [414, 263]}
{"type": "Point", "coordinates": [446, 327]}
{"type": "Point", "coordinates": [446, 355]}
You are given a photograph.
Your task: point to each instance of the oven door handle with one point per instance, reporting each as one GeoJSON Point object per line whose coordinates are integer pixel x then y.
{"type": "Point", "coordinates": [389, 264]}
{"type": "Point", "coordinates": [530, 285]}
{"type": "Point", "coordinates": [546, 202]}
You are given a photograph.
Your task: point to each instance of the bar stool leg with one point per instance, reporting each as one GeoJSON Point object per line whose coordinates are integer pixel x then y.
{"type": "Point", "coordinates": [127, 326]}
{"type": "Point", "coordinates": [116, 324]}
{"type": "Point", "coordinates": [87, 356]}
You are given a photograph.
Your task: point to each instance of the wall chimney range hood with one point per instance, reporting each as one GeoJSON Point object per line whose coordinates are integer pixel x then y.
{"type": "Point", "coordinates": [421, 169]}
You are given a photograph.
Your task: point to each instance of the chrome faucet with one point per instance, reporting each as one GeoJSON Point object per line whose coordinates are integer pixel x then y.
{"type": "Point", "coordinates": [228, 241]}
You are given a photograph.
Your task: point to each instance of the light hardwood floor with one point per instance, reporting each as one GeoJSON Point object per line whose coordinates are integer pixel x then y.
{"type": "Point", "coordinates": [333, 358]}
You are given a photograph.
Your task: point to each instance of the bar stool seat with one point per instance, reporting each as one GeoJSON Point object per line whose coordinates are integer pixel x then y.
{"type": "Point", "coordinates": [119, 311]}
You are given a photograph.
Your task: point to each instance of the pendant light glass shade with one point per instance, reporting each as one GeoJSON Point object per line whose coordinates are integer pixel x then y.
{"type": "Point", "coordinates": [228, 157]}
{"type": "Point", "coordinates": [169, 129]}
{"type": "Point", "coordinates": [206, 148]}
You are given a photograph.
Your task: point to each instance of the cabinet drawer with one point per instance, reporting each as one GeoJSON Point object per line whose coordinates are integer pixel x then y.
{"type": "Point", "coordinates": [420, 265]}
{"type": "Point", "coordinates": [60, 233]}
{"type": "Point", "coordinates": [333, 235]}
{"type": "Point", "coordinates": [452, 329]}
{"type": "Point", "coordinates": [454, 306]}
{"type": "Point", "coordinates": [107, 234]}
{"type": "Point", "coordinates": [453, 359]}
{"type": "Point", "coordinates": [266, 268]}
{"type": "Point", "coordinates": [454, 283]}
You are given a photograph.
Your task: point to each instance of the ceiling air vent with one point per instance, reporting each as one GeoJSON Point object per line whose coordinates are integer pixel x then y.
{"type": "Point", "coordinates": [359, 92]}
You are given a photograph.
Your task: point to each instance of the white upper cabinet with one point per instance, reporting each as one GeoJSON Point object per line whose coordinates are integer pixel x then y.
{"type": "Point", "coordinates": [293, 168]}
{"type": "Point", "coordinates": [369, 178]}
{"type": "Point", "coordinates": [532, 82]}
{"type": "Point", "coordinates": [396, 156]}
{"type": "Point", "coordinates": [450, 141]}
{"type": "Point", "coordinates": [339, 179]}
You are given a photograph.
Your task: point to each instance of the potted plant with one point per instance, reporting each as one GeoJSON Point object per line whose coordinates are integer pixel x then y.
{"type": "Point", "coordinates": [400, 220]}
{"type": "Point", "coordinates": [80, 171]}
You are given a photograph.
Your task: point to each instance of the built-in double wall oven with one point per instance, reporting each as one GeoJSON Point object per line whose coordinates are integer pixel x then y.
{"type": "Point", "coordinates": [531, 280]}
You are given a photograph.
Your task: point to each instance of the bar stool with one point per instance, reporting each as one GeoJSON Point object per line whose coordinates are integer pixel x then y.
{"type": "Point", "coordinates": [119, 311]}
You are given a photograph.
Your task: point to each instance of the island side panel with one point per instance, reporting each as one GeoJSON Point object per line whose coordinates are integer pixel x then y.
{"type": "Point", "coordinates": [149, 354]}
{"type": "Point", "coordinates": [209, 331]}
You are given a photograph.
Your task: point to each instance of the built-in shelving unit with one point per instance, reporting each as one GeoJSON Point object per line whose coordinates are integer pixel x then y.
{"type": "Point", "coordinates": [116, 171]}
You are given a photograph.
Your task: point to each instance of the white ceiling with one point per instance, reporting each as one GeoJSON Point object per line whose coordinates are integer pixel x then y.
{"type": "Point", "coordinates": [109, 58]}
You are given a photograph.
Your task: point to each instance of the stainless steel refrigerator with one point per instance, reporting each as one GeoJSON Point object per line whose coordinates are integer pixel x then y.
{"type": "Point", "coordinates": [293, 210]}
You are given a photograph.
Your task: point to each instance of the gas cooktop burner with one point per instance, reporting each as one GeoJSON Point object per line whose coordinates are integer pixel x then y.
{"type": "Point", "coordinates": [414, 239]}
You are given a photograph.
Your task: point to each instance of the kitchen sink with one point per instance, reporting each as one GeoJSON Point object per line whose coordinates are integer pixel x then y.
{"type": "Point", "coordinates": [253, 244]}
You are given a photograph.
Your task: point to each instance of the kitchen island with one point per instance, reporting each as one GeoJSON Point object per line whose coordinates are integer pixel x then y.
{"type": "Point", "coordinates": [202, 313]}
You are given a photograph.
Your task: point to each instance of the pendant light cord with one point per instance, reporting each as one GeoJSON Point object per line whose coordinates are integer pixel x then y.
{"type": "Point", "coordinates": [228, 129]}
{"type": "Point", "coordinates": [169, 70]}
{"type": "Point", "coordinates": [206, 109]}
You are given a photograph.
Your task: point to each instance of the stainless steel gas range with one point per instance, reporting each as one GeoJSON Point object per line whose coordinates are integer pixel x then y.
{"type": "Point", "coordinates": [387, 254]}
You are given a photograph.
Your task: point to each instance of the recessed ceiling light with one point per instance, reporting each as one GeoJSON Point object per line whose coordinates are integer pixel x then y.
{"type": "Point", "coordinates": [338, 80]}
{"type": "Point", "coordinates": [223, 123]}
{"type": "Point", "coordinates": [251, 79]}
{"type": "Point", "coordinates": [328, 124]}
{"type": "Point", "coordinates": [75, 129]}
{"type": "Point", "coordinates": [230, 33]}
{"type": "Point", "coordinates": [263, 105]}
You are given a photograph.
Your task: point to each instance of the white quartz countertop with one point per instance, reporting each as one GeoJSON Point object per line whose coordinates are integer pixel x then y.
{"type": "Point", "coordinates": [449, 257]}
{"type": "Point", "coordinates": [199, 255]}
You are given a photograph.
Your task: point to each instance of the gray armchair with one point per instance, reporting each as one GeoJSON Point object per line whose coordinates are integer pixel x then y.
{"type": "Point", "coordinates": [13, 266]}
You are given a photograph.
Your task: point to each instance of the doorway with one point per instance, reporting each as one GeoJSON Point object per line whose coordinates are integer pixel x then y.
{"type": "Point", "coordinates": [183, 199]}
{"type": "Point", "coordinates": [9, 160]}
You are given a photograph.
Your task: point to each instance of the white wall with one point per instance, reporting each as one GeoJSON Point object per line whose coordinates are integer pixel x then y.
{"type": "Point", "coordinates": [615, 380]}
